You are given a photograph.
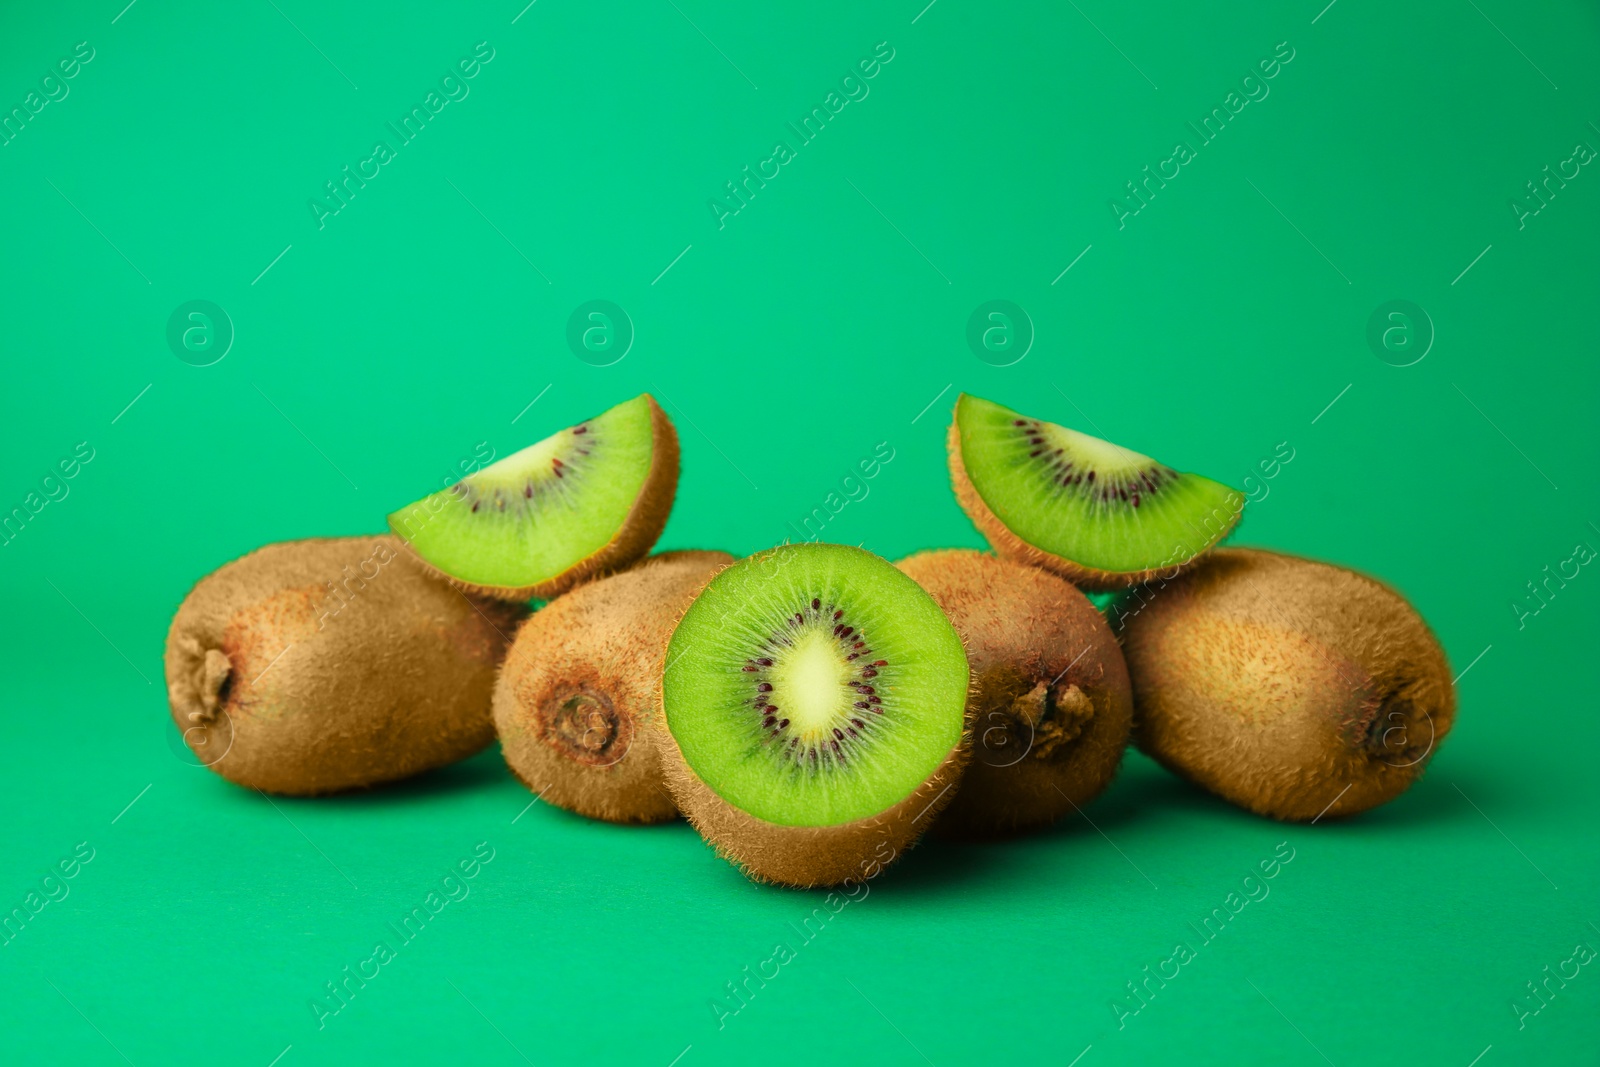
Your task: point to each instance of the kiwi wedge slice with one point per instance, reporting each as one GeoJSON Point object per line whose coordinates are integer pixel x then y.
{"type": "Point", "coordinates": [815, 698]}
{"type": "Point", "coordinates": [1100, 515]}
{"type": "Point", "coordinates": [588, 499]}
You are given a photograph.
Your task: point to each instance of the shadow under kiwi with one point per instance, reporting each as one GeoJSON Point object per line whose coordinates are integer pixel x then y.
{"type": "Point", "coordinates": [946, 861]}
{"type": "Point", "coordinates": [1442, 797]}
{"type": "Point", "coordinates": [1146, 790]}
{"type": "Point", "coordinates": [934, 867]}
{"type": "Point", "coordinates": [480, 771]}
{"type": "Point", "coordinates": [1438, 798]}
{"type": "Point", "coordinates": [1140, 789]}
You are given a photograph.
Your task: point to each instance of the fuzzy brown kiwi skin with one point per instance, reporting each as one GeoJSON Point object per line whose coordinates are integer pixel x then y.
{"type": "Point", "coordinates": [279, 685]}
{"type": "Point", "coordinates": [577, 700]}
{"type": "Point", "coordinates": [1051, 704]}
{"type": "Point", "coordinates": [1295, 689]}
{"type": "Point", "coordinates": [634, 538]}
{"type": "Point", "coordinates": [1009, 545]}
{"type": "Point", "coordinates": [802, 857]}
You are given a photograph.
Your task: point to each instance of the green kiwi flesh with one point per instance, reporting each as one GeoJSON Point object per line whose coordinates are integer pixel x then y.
{"type": "Point", "coordinates": [815, 697]}
{"type": "Point", "coordinates": [1103, 516]}
{"type": "Point", "coordinates": [590, 498]}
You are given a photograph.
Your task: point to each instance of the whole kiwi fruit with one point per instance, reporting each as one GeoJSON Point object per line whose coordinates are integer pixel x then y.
{"type": "Point", "coordinates": [1050, 703]}
{"type": "Point", "coordinates": [315, 666]}
{"type": "Point", "coordinates": [578, 702]}
{"type": "Point", "coordinates": [1292, 688]}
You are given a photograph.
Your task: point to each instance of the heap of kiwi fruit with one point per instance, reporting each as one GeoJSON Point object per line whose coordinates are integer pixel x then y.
{"type": "Point", "coordinates": [813, 709]}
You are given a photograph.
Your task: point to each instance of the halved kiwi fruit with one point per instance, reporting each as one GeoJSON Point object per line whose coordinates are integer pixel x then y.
{"type": "Point", "coordinates": [815, 698]}
{"type": "Point", "coordinates": [1051, 704]}
{"type": "Point", "coordinates": [578, 703]}
{"type": "Point", "coordinates": [591, 498]}
{"type": "Point", "coordinates": [317, 666]}
{"type": "Point", "coordinates": [1100, 515]}
{"type": "Point", "coordinates": [1292, 688]}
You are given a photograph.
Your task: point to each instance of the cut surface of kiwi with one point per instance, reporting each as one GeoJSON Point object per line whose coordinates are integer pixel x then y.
{"type": "Point", "coordinates": [816, 698]}
{"type": "Point", "coordinates": [1103, 516]}
{"type": "Point", "coordinates": [592, 497]}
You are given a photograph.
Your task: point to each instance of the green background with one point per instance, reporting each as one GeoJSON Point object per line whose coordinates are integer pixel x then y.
{"type": "Point", "coordinates": [827, 316]}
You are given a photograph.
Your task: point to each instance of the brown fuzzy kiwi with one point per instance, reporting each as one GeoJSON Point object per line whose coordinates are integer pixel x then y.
{"type": "Point", "coordinates": [806, 856]}
{"type": "Point", "coordinates": [316, 666]}
{"type": "Point", "coordinates": [1051, 702]}
{"type": "Point", "coordinates": [578, 701]}
{"type": "Point", "coordinates": [1293, 688]}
